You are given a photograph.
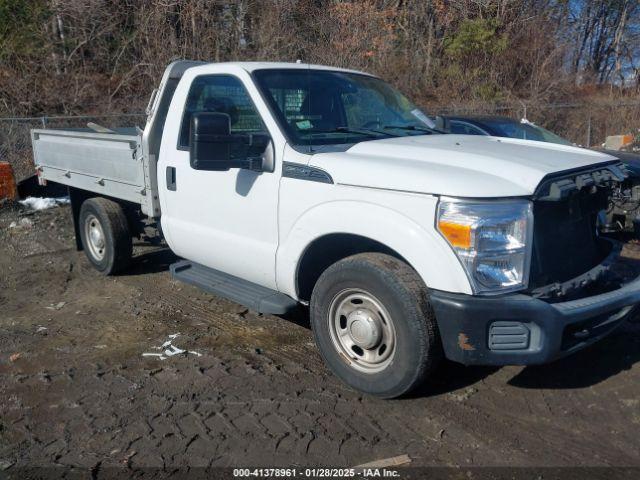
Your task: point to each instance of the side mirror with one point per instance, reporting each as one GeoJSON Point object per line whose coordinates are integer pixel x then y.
{"type": "Point", "coordinates": [212, 146]}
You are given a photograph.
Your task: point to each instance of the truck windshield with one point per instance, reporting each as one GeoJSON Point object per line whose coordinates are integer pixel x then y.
{"type": "Point", "coordinates": [322, 107]}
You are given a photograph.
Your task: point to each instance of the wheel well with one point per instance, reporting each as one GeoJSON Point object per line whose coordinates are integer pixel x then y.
{"type": "Point", "coordinates": [327, 250]}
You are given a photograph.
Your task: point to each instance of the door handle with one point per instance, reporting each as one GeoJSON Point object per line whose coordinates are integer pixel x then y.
{"type": "Point", "coordinates": [171, 178]}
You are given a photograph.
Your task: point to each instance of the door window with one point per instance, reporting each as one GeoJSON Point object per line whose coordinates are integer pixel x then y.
{"type": "Point", "coordinates": [220, 94]}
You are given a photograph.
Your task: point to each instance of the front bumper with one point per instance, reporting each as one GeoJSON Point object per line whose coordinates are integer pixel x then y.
{"type": "Point", "coordinates": [518, 329]}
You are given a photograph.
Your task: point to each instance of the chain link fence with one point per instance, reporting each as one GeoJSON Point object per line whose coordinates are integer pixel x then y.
{"type": "Point", "coordinates": [583, 124]}
{"type": "Point", "coordinates": [15, 136]}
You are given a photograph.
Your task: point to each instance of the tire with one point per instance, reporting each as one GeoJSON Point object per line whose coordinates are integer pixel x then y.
{"type": "Point", "coordinates": [105, 234]}
{"type": "Point", "coordinates": [366, 301]}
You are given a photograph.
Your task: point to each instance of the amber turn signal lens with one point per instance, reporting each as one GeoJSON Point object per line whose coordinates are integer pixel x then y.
{"type": "Point", "coordinates": [458, 235]}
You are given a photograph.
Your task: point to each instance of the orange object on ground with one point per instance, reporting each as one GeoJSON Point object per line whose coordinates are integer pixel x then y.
{"type": "Point", "coordinates": [627, 139]}
{"type": "Point", "coordinates": [7, 182]}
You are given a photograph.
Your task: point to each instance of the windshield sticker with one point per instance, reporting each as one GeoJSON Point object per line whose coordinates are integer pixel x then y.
{"type": "Point", "coordinates": [423, 118]}
{"type": "Point", "coordinates": [304, 125]}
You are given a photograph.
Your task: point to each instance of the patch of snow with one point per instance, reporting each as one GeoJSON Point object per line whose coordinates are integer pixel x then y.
{"type": "Point", "coordinates": [38, 203]}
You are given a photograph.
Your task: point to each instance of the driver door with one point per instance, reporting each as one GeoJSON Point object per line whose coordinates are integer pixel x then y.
{"type": "Point", "coordinates": [226, 220]}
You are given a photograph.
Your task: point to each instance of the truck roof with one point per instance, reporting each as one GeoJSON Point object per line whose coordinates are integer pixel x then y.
{"type": "Point", "coordinates": [252, 66]}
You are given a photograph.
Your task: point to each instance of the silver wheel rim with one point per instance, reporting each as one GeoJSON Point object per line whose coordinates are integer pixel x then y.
{"type": "Point", "coordinates": [95, 237]}
{"type": "Point", "coordinates": [362, 330]}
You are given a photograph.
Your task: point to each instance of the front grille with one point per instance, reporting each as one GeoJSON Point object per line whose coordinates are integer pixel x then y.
{"type": "Point", "coordinates": [565, 240]}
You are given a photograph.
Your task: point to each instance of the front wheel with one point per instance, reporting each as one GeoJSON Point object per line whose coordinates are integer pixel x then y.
{"type": "Point", "coordinates": [374, 325]}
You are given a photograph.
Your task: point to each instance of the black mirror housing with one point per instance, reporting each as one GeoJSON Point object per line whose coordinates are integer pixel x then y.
{"type": "Point", "coordinates": [212, 146]}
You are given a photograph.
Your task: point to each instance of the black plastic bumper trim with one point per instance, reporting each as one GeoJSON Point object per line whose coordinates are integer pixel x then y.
{"type": "Point", "coordinates": [465, 322]}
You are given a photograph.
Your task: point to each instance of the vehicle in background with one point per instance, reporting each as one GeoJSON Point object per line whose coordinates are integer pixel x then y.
{"type": "Point", "coordinates": [623, 213]}
{"type": "Point", "coordinates": [285, 184]}
{"type": "Point", "coordinates": [498, 127]}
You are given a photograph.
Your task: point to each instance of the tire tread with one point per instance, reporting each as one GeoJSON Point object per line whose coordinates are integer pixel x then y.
{"type": "Point", "coordinates": [414, 297]}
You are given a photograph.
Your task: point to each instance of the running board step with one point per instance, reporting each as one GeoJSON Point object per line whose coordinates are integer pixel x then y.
{"type": "Point", "coordinates": [249, 294]}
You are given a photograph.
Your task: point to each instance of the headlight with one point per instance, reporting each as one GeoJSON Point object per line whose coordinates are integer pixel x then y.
{"type": "Point", "coordinates": [492, 240]}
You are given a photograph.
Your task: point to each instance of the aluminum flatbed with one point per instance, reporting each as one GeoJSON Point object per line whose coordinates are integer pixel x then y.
{"type": "Point", "coordinates": [111, 164]}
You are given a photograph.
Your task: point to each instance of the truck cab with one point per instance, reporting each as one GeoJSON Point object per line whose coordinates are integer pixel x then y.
{"type": "Point", "coordinates": [285, 184]}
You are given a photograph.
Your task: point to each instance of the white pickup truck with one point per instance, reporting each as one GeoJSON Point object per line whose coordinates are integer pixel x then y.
{"type": "Point", "coordinates": [283, 184]}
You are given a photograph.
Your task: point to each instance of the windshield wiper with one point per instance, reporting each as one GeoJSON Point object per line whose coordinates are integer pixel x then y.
{"type": "Point", "coordinates": [414, 128]}
{"type": "Point", "coordinates": [360, 131]}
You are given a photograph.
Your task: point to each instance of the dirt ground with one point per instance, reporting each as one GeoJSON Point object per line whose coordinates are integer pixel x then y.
{"type": "Point", "coordinates": [76, 390]}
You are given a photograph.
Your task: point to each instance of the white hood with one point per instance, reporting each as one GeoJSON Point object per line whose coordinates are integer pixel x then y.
{"type": "Point", "coordinates": [454, 165]}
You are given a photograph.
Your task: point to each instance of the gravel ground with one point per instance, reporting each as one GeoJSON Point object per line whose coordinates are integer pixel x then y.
{"type": "Point", "coordinates": [76, 389]}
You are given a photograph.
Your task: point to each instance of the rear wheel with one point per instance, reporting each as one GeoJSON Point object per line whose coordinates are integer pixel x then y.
{"type": "Point", "coordinates": [105, 234]}
{"type": "Point", "coordinates": [374, 326]}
